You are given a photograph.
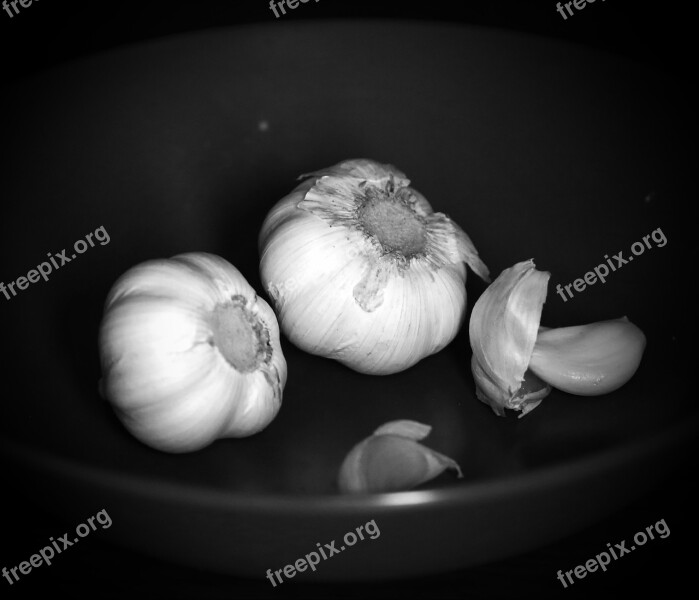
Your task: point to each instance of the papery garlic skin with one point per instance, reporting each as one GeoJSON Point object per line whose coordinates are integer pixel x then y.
{"type": "Point", "coordinates": [502, 330]}
{"type": "Point", "coordinates": [190, 353]}
{"type": "Point", "coordinates": [391, 460]}
{"type": "Point", "coordinates": [361, 269]}
{"type": "Point", "coordinates": [589, 360]}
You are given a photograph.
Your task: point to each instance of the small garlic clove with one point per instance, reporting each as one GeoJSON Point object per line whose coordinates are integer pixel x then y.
{"type": "Point", "coordinates": [503, 330]}
{"type": "Point", "coordinates": [589, 360]}
{"type": "Point", "coordinates": [391, 459]}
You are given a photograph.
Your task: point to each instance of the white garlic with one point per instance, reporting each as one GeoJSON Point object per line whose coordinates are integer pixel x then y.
{"type": "Point", "coordinates": [502, 330]}
{"type": "Point", "coordinates": [392, 460]}
{"type": "Point", "coordinates": [589, 360]}
{"type": "Point", "coordinates": [361, 269]}
{"type": "Point", "coordinates": [190, 353]}
{"type": "Point", "coordinates": [516, 361]}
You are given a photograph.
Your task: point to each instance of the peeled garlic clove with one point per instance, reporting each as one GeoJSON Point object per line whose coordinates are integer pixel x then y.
{"type": "Point", "coordinates": [190, 353]}
{"type": "Point", "coordinates": [392, 460]}
{"type": "Point", "coordinates": [589, 360]}
{"type": "Point", "coordinates": [503, 330]}
{"type": "Point", "coordinates": [363, 271]}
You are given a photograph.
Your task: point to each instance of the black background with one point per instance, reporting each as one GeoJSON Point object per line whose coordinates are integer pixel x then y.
{"type": "Point", "coordinates": [50, 32]}
{"type": "Point", "coordinates": [53, 31]}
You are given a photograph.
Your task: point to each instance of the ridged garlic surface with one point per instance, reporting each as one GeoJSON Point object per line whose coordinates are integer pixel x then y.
{"type": "Point", "coordinates": [190, 353]}
{"type": "Point", "coordinates": [362, 270]}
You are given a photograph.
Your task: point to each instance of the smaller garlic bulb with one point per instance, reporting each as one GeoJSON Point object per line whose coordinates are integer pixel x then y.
{"type": "Point", "coordinates": [515, 361]}
{"type": "Point", "coordinates": [391, 460]}
{"type": "Point", "coordinates": [190, 353]}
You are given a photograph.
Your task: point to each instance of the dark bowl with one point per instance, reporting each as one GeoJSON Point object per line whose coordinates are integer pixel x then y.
{"type": "Point", "coordinates": [537, 149]}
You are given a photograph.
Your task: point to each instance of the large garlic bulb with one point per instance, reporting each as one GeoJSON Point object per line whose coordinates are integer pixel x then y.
{"type": "Point", "coordinates": [362, 270]}
{"type": "Point", "coordinates": [190, 353]}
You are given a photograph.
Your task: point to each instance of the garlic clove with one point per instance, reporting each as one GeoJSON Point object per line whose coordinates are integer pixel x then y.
{"type": "Point", "coordinates": [392, 460]}
{"type": "Point", "coordinates": [589, 360]}
{"type": "Point", "coordinates": [503, 330]}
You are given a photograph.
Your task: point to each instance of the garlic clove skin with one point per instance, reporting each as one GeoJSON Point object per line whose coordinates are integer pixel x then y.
{"type": "Point", "coordinates": [361, 270]}
{"type": "Point", "coordinates": [531, 392]}
{"type": "Point", "coordinates": [503, 330]}
{"type": "Point", "coordinates": [589, 360]}
{"type": "Point", "coordinates": [190, 353]}
{"type": "Point", "coordinates": [392, 460]}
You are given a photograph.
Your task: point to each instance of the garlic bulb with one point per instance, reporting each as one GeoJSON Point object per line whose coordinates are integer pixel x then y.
{"type": "Point", "coordinates": [361, 269]}
{"type": "Point", "coordinates": [515, 361]}
{"type": "Point", "coordinates": [392, 460]}
{"type": "Point", "coordinates": [190, 353]}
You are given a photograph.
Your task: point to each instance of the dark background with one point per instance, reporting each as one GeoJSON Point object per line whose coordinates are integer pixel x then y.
{"type": "Point", "coordinates": [50, 32]}
{"type": "Point", "coordinates": [53, 31]}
